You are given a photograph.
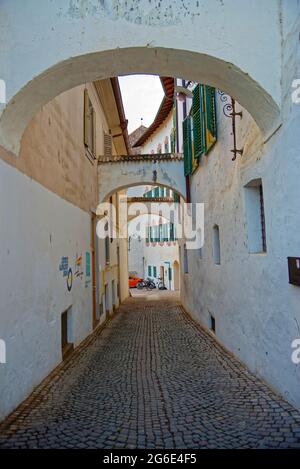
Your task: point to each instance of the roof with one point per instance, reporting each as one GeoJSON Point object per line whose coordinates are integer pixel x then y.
{"type": "Point", "coordinates": [134, 136]}
{"type": "Point", "coordinates": [119, 103]}
{"type": "Point", "coordinates": [163, 111]}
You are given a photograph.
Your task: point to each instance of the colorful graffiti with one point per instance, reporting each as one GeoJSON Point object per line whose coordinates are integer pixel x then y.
{"type": "Point", "coordinates": [64, 266]}
{"type": "Point", "coordinates": [70, 280]}
{"type": "Point", "coordinates": [78, 273]}
{"type": "Point", "coordinates": [87, 269]}
{"type": "Point", "coordinates": [67, 271]}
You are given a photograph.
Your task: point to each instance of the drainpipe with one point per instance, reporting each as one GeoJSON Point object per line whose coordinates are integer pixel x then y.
{"type": "Point", "coordinates": [187, 178]}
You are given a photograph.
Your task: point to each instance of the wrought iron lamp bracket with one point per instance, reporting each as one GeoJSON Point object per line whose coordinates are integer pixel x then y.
{"type": "Point", "coordinates": [229, 111]}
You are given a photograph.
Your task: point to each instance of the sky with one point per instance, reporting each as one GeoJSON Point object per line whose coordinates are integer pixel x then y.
{"type": "Point", "coordinates": [142, 96]}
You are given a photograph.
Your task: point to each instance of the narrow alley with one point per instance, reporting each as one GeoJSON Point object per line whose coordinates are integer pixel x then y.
{"type": "Point", "coordinates": [152, 378]}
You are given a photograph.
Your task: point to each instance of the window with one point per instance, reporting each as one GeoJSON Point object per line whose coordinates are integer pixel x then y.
{"type": "Point", "coordinates": [66, 333]}
{"type": "Point", "coordinates": [185, 260]}
{"type": "Point", "coordinates": [89, 128]}
{"type": "Point", "coordinates": [212, 323]}
{"type": "Point", "coordinates": [149, 271]}
{"type": "Point", "coordinates": [154, 271]}
{"type": "Point", "coordinates": [255, 214]}
{"type": "Point", "coordinates": [111, 218]}
{"type": "Point", "coordinates": [204, 119]}
{"type": "Point", "coordinates": [107, 249]}
{"type": "Point", "coordinates": [216, 245]}
{"type": "Point", "coordinates": [167, 145]}
{"type": "Point", "coordinates": [107, 141]}
{"type": "Point", "coordinates": [200, 127]}
{"type": "Point", "coordinates": [187, 145]}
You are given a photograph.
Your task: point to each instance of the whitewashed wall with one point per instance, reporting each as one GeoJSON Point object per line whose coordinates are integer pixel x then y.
{"type": "Point", "coordinates": [257, 311]}
{"type": "Point", "coordinates": [159, 136]}
{"type": "Point", "coordinates": [162, 255]}
{"type": "Point", "coordinates": [37, 229]}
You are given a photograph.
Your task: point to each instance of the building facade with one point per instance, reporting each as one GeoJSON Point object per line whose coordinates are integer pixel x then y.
{"type": "Point", "coordinates": [63, 287]}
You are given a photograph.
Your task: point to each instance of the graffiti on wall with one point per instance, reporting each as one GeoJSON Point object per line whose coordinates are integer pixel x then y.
{"type": "Point", "coordinates": [87, 269]}
{"type": "Point", "coordinates": [64, 267]}
{"type": "Point", "coordinates": [67, 272]}
{"type": "Point", "coordinates": [78, 272]}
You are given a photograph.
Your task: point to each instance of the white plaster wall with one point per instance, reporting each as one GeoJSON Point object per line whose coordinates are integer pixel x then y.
{"type": "Point", "coordinates": [123, 174]}
{"type": "Point", "coordinates": [257, 311]}
{"type": "Point", "coordinates": [158, 137]}
{"type": "Point", "coordinates": [37, 229]}
{"type": "Point", "coordinates": [159, 255]}
{"type": "Point", "coordinates": [136, 256]}
{"type": "Point", "coordinates": [228, 42]}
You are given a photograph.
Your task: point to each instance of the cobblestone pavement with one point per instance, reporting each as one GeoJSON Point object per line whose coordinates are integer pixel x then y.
{"type": "Point", "coordinates": [152, 379]}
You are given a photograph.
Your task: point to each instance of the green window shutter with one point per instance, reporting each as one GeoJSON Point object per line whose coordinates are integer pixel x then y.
{"type": "Point", "coordinates": [151, 233]}
{"type": "Point", "coordinates": [210, 117]}
{"type": "Point", "coordinates": [171, 142]}
{"type": "Point", "coordinates": [149, 270]}
{"type": "Point", "coordinates": [199, 121]}
{"type": "Point", "coordinates": [187, 145]}
{"type": "Point", "coordinates": [154, 271]}
{"type": "Point", "coordinates": [156, 192]}
{"type": "Point", "coordinates": [160, 232]}
{"type": "Point", "coordinates": [172, 237]}
{"type": "Point", "coordinates": [170, 274]}
{"type": "Point", "coordinates": [166, 232]}
{"type": "Point", "coordinates": [176, 197]}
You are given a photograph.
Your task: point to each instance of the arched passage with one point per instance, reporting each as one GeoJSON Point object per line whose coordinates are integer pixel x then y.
{"type": "Point", "coordinates": [120, 175]}
{"type": "Point", "coordinates": [89, 40]}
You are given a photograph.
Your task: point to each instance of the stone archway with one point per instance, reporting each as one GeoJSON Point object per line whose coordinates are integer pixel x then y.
{"type": "Point", "coordinates": [79, 41]}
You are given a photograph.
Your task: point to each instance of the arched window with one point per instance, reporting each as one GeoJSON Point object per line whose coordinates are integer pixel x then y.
{"type": "Point", "coordinates": [216, 245]}
{"type": "Point", "coordinates": [185, 260]}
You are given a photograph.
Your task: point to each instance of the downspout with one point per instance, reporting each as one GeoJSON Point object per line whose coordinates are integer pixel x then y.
{"type": "Point", "coordinates": [187, 178]}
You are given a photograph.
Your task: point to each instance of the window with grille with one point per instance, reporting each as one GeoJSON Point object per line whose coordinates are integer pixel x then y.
{"type": "Point", "coordinates": [185, 260]}
{"type": "Point", "coordinates": [255, 216]}
{"type": "Point", "coordinates": [216, 245]}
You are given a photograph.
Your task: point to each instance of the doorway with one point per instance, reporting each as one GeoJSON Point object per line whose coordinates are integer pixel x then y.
{"type": "Point", "coordinates": [176, 276]}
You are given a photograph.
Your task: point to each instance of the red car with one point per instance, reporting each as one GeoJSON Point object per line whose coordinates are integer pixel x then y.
{"type": "Point", "coordinates": [133, 279]}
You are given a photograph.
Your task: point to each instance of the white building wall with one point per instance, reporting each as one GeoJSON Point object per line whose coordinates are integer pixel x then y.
{"type": "Point", "coordinates": [256, 309]}
{"type": "Point", "coordinates": [159, 136]}
{"type": "Point", "coordinates": [38, 228]}
{"type": "Point", "coordinates": [162, 256]}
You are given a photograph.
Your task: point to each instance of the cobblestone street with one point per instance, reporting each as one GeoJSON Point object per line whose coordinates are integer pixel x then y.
{"type": "Point", "coordinates": [152, 379]}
